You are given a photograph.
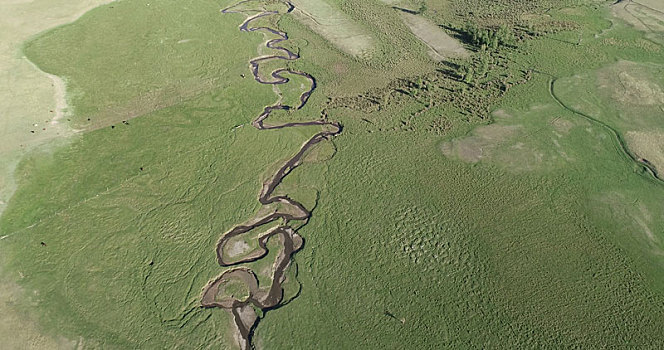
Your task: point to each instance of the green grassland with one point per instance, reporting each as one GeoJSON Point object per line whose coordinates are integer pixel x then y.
{"type": "Point", "coordinates": [32, 103]}
{"type": "Point", "coordinates": [456, 211]}
{"type": "Point", "coordinates": [538, 245]}
{"type": "Point", "coordinates": [626, 96]}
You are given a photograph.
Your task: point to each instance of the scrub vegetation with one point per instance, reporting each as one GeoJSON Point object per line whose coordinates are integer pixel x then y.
{"type": "Point", "coordinates": [509, 198]}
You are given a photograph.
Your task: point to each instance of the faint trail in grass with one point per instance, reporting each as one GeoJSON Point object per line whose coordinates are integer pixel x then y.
{"type": "Point", "coordinates": [638, 18]}
{"type": "Point", "coordinates": [646, 6]}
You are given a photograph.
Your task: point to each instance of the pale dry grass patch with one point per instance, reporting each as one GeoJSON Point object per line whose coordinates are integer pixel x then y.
{"type": "Point", "coordinates": [648, 145]}
{"type": "Point", "coordinates": [644, 15]}
{"type": "Point", "coordinates": [440, 44]}
{"type": "Point", "coordinates": [335, 26]}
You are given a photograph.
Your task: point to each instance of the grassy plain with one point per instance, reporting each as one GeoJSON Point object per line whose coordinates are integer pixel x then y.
{"type": "Point", "coordinates": [77, 280]}
{"type": "Point", "coordinates": [626, 95]}
{"type": "Point", "coordinates": [32, 103]}
{"type": "Point", "coordinates": [553, 238]}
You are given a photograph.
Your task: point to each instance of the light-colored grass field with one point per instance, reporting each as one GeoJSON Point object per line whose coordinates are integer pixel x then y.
{"type": "Point", "coordinates": [441, 45]}
{"type": "Point", "coordinates": [30, 96]}
{"type": "Point", "coordinates": [654, 4]}
{"type": "Point", "coordinates": [648, 145]}
{"type": "Point", "coordinates": [335, 26]}
{"type": "Point", "coordinates": [644, 15]}
{"type": "Point", "coordinates": [30, 100]}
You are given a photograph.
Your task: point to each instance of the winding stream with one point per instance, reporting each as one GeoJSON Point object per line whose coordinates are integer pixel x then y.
{"type": "Point", "coordinates": [621, 146]}
{"type": "Point", "coordinates": [281, 209]}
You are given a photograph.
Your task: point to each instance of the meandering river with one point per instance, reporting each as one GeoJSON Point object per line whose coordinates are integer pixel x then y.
{"type": "Point", "coordinates": [283, 208]}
